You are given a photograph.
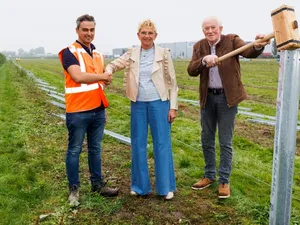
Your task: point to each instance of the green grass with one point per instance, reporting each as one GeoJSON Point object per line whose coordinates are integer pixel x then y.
{"type": "Point", "coordinates": [33, 143]}
{"type": "Point", "coordinates": [22, 124]}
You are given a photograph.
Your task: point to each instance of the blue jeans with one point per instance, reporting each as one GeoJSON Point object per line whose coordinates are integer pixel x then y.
{"type": "Point", "coordinates": [215, 114]}
{"type": "Point", "coordinates": [154, 113]}
{"type": "Point", "coordinates": [90, 122]}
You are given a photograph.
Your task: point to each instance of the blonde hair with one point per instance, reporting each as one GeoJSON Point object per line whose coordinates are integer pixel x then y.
{"type": "Point", "coordinates": [147, 23]}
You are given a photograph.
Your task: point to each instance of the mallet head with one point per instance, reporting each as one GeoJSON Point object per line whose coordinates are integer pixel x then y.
{"type": "Point", "coordinates": [285, 28]}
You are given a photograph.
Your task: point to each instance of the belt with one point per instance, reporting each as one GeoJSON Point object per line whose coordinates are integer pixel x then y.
{"type": "Point", "coordinates": [216, 91]}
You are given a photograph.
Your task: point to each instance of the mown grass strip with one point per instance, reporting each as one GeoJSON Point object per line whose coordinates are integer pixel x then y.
{"type": "Point", "coordinates": [25, 134]}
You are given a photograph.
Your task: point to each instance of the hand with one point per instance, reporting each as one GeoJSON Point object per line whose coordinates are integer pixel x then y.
{"type": "Point", "coordinates": [107, 83]}
{"type": "Point", "coordinates": [260, 44]}
{"type": "Point", "coordinates": [172, 115]}
{"type": "Point", "coordinates": [211, 60]}
{"type": "Point", "coordinates": [107, 78]}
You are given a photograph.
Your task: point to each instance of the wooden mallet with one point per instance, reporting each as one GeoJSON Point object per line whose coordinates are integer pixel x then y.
{"type": "Point", "coordinates": [285, 32]}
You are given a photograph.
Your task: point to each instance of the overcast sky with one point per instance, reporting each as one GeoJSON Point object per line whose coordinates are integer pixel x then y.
{"type": "Point", "coordinates": [51, 24]}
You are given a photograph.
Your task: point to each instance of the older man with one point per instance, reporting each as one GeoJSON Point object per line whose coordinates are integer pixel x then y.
{"type": "Point", "coordinates": [221, 90]}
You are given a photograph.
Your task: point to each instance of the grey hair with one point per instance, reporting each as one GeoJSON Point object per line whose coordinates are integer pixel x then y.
{"type": "Point", "coordinates": [84, 17]}
{"type": "Point", "coordinates": [214, 18]}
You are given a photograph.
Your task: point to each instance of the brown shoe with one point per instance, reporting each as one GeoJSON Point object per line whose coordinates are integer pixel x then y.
{"type": "Point", "coordinates": [109, 192]}
{"type": "Point", "coordinates": [105, 191]}
{"type": "Point", "coordinates": [224, 191]}
{"type": "Point", "coordinates": [203, 183]}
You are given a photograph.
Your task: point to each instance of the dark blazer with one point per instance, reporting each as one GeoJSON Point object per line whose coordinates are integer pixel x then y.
{"type": "Point", "coordinates": [229, 69]}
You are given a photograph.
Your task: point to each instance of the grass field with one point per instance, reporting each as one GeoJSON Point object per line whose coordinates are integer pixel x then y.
{"type": "Point", "coordinates": [33, 186]}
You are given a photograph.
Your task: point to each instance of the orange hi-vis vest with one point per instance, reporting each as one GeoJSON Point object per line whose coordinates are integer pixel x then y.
{"type": "Point", "coordinates": [83, 97]}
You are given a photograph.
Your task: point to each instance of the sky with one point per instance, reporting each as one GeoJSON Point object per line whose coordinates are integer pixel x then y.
{"type": "Point", "coordinates": [51, 24]}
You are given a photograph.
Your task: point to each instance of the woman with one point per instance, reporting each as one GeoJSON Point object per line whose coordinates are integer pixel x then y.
{"type": "Point", "coordinates": [152, 88]}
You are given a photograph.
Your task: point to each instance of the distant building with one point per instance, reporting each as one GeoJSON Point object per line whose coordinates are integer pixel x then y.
{"type": "Point", "coordinates": [107, 55]}
{"type": "Point", "coordinates": [183, 50]}
{"type": "Point", "coordinates": [180, 50]}
{"type": "Point", "coordinates": [117, 52]}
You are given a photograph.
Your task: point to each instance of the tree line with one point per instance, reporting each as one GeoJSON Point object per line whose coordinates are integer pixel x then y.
{"type": "Point", "coordinates": [2, 59]}
{"type": "Point", "coordinates": [40, 51]}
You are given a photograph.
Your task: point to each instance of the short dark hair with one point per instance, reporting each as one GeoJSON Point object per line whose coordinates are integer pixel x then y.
{"type": "Point", "coordinates": [84, 17]}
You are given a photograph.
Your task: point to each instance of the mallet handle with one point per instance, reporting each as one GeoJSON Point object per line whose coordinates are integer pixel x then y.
{"type": "Point", "coordinates": [243, 48]}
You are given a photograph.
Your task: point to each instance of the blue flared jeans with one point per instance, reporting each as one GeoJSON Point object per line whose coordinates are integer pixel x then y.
{"type": "Point", "coordinates": [91, 123]}
{"type": "Point", "coordinates": [216, 113]}
{"type": "Point", "coordinates": [155, 114]}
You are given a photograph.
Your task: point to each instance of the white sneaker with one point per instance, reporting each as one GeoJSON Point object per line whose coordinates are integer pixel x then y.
{"type": "Point", "coordinates": [169, 196]}
{"type": "Point", "coordinates": [133, 193]}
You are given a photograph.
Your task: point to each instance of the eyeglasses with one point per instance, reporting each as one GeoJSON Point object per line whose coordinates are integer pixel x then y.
{"type": "Point", "coordinates": [144, 33]}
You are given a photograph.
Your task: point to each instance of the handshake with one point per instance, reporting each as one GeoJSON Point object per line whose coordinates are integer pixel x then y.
{"type": "Point", "coordinates": [107, 77]}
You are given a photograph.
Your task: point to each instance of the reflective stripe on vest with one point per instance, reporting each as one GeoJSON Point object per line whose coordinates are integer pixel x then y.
{"type": "Point", "coordinates": [83, 87]}
{"type": "Point", "coordinates": [80, 58]}
{"type": "Point", "coordinates": [102, 57]}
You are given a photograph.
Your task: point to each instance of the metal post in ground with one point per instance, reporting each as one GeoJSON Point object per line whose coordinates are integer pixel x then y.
{"type": "Point", "coordinates": [285, 137]}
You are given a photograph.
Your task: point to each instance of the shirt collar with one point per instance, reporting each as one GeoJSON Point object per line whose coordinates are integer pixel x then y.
{"type": "Point", "coordinates": [214, 43]}
{"type": "Point", "coordinates": [86, 48]}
